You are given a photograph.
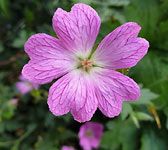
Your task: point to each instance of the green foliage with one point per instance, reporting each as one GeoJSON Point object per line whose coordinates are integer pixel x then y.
{"type": "Point", "coordinates": [19, 42]}
{"type": "Point", "coordinates": [146, 97]}
{"type": "Point", "coordinates": [1, 47]}
{"type": "Point", "coordinates": [4, 5]}
{"type": "Point", "coordinates": [111, 9]}
{"type": "Point", "coordinates": [146, 14]}
{"type": "Point", "coordinates": [120, 133]}
{"type": "Point", "coordinates": [29, 125]}
{"type": "Point", "coordinates": [152, 72]}
{"type": "Point", "coordinates": [6, 108]}
{"type": "Point", "coordinates": [150, 141]}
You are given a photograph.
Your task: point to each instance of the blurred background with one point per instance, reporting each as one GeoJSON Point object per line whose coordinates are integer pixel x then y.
{"type": "Point", "coordinates": [25, 121]}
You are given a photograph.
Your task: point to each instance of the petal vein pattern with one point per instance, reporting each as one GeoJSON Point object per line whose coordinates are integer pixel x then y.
{"type": "Point", "coordinates": [113, 88]}
{"type": "Point", "coordinates": [77, 29]}
{"type": "Point", "coordinates": [121, 48]}
{"type": "Point", "coordinates": [48, 59]}
{"type": "Point", "coordinates": [73, 92]}
{"type": "Point", "coordinates": [88, 79]}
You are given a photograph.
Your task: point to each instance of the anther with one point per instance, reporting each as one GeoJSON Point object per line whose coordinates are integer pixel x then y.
{"type": "Point", "coordinates": [86, 64]}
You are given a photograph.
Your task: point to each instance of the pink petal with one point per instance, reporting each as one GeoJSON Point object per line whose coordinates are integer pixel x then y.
{"type": "Point", "coordinates": [14, 101]}
{"type": "Point", "coordinates": [68, 148]}
{"type": "Point", "coordinates": [35, 86]}
{"type": "Point", "coordinates": [97, 129]}
{"type": "Point", "coordinates": [24, 87]}
{"type": "Point", "coordinates": [74, 92]}
{"type": "Point", "coordinates": [21, 77]}
{"type": "Point", "coordinates": [87, 142]}
{"type": "Point", "coordinates": [113, 88]}
{"type": "Point", "coordinates": [49, 59]}
{"type": "Point", "coordinates": [78, 29]}
{"type": "Point", "coordinates": [121, 48]}
{"type": "Point", "coordinates": [95, 142]}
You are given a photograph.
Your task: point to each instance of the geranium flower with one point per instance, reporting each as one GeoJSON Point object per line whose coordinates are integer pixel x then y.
{"type": "Point", "coordinates": [24, 86]}
{"type": "Point", "coordinates": [87, 79]}
{"type": "Point", "coordinates": [90, 134]}
{"type": "Point", "coordinates": [67, 148]}
{"type": "Point", "coordinates": [14, 101]}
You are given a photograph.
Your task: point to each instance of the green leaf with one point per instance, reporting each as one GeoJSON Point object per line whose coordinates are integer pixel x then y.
{"type": "Point", "coordinates": [150, 141]}
{"type": "Point", "coordinates": [4, 5]}
{"type": "Point", "coordinates": [135, 120]}
{"type": "Point", "coordinates": [1, 47]}
{"type": "Point", "coordinates": [130, 132]}
{"type": "Point", "coordinates": [36, 94]}
{"type": "Point", "coordinates": [24, 136]}
{"type": "Point", "coordinates": [29, 16]}
{"type": "Point", "coordinates": [82, 1]}
{"type": "Point", "coordinates": [12, 124]}
{"type": "Point", "coordinates": [126, 110]}
{"type": "Point", "coordinates": [110, 139]}
{"type": "Point", "coordinates": [2, 126]}
{"type": "Point", "coordinates": [167, 123]}
{"type": "Point", "coordinates": [164, 9]}
{"type": "Point", "coordinates": [146, 97]}
{"type": "Point", "coordinates": [146, 14]}
{"type": "Point", "coordinates": [107, 13]}
{"type": "Point", "coordinates": [20, 40]}
{"type": "Point", "coordinates": [153, 73]}
{"type": "Point", "coordinates": [45, 145]}
{"type": "Point", "coordinates": [8, 110]}
{"type": "Point", "coordinates": [117, 3]}
{"type": "Point", "coordinates": [143, 116]}
{"type": "Point", "coordinates": [120, 133]}
{"type": "Point", "coordinates": [162, 35]}
{"type": "Point", "coordinates": [166, 113]}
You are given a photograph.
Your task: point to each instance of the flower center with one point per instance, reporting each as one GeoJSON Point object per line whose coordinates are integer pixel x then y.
{"type": "Point", "coordinates": [89, 133]}
{"type": "Point", "coordinates": [86, 64]}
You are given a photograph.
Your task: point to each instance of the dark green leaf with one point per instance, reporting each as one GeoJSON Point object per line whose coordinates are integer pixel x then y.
{"type": "Point", "coordinates": [150, 141]}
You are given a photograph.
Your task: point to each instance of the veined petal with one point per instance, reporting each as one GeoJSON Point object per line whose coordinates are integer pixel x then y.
{"type": "Point", "coordinates": [121, 48]}
{"type": "Point", "coordinates": [78, 29]}
{"type": "Point", "coordinates": [113, 88]}
{"type": "Point", "coordinates": [73, 92]}
{"type": "Point", "coordinates": [42, 46]}
{"type": "Point", "coordinates": [48, 59]}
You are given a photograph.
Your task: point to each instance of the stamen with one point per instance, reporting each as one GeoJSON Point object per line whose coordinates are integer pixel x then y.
{"type": "Point", "coordinates": [86, 64]}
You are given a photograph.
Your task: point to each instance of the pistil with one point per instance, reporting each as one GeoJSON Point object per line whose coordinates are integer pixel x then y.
{"type": "Point", "coordinates": [86, 64]}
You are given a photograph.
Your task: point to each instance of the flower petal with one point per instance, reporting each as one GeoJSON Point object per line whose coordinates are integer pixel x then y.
{"type": "Point", "coordinates": [121, 48]}
{"type": "Point", "coordinates": [49, 59]}
{"type": "Point", "coordinates": [68, 148]}
{"type": "Point", "coordinates": [93, 140]}
{"type": "Point", "coordinates": [85, 144]}
{"type": "Point", "coordinates": [74, 92]}
{"type": "Point", "coordinates": [78, 29]}
{"type": "Point", "coordinates": [113, 88]}
{"type": "Point", "coordinates": [24, 87]}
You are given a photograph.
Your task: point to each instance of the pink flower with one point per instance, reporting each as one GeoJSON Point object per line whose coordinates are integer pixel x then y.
{"type": "Point", "coordinates": [90, 134]}
{"type": "Point", "coordinates": [87, 80]}
{"type": "Point", "coordinates": [67, 148]}
{"type": "Point", "coordinates": [24, 86]}
{"type": "Point", "coordinates": [14, 101]}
